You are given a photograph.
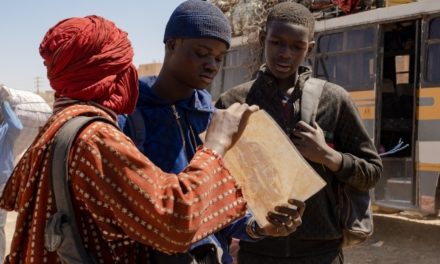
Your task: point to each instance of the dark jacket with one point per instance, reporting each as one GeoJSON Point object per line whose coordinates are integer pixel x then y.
{"type": "Point", "coordinates": [343, 129]}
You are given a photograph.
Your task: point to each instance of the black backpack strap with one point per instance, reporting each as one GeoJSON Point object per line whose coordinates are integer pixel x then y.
{"type": "Point", "coordinates": [61, 232]}
{"type": "Point", "coordinates": [311, 94]}
{"type": "Point", "coordinates": [352, 207]}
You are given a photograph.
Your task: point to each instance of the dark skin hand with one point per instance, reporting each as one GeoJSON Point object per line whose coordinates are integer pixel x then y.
{"type": "Point", "coordinates": [310, 142]}
{"type": "Point", "coordinates": [284, 220]}
{"type": "Point", "coordinates": [227, 126]}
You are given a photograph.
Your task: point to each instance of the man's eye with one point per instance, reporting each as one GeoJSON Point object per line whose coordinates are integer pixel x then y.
{"type": "Point", "coordinates": [202, 54]}
{"type": "Point", "coordinates": [298, 47]}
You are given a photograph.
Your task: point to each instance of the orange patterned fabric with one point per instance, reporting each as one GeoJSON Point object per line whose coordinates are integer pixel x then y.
{"type": "Point", "coordinates": [124, 204]}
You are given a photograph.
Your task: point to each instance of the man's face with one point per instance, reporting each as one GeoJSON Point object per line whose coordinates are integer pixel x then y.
{"type": "Point", "coordinates": [195, 62]}
{"type": "Point", "coordinates": [285, 47]}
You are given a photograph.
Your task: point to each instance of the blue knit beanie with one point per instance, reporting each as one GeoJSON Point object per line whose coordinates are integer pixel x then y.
{"type": "Point", "coordinates": [198, 19]}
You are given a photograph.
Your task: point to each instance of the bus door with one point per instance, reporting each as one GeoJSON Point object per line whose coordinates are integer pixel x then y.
{"type": "Point", "coordinates": [397, 88]}
{"type": "Point", "coordinates": [428, 117]}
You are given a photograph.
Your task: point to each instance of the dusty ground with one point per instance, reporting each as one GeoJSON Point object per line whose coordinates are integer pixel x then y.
{"type": "Point", "coordinates": [396, 240]}
{"type": "Point", "coordinates": [399, 240]}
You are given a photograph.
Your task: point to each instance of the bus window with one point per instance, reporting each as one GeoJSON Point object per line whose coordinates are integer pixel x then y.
{"type": "Point", "coordinates": [360, 38]}
{"type": "Point", "coordinates": [330, 43]}
{"type": "Point", "coordinates": [433, 64]}
{"type": "Point", "coordinates": [359, 77]}
{"type": "Point", "coordinates": [432, 76]}
{"type": "Point", "coordinates": [352, 49]}
{"type": "Point", "coordinates": [434, 29]}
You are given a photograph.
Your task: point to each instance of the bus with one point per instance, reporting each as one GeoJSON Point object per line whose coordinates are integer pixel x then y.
{"type": "Point", "coordinates": [388, 59]}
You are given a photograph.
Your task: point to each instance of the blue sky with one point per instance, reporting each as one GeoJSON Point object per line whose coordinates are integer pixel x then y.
{"type": "Point", "coordinates": [23, 24]}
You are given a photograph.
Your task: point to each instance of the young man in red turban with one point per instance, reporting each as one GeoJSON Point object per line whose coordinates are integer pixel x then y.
{"type": "Point", "coordinates": [123, 203]}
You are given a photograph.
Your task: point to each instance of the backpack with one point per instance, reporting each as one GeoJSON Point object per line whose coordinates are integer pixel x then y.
{"type": "Point", "coordinates": [133, 124]}
{"type": "Point", "coordinates": [352, 206]}
{"type": "Point", "coordinates": [61, 233]}
{"type": "Point", "coordinates": [134, 128]}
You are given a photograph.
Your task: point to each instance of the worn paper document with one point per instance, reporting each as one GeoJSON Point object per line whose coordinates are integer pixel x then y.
{"type": "Point", "coordinates": [268, 167]}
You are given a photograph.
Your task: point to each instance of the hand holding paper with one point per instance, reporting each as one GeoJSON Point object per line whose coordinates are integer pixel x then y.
{"type": "Point", "coordinates": [269, 169]}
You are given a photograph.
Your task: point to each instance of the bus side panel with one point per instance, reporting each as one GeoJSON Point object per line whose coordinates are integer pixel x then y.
{"type": "Point", "coordinates": [428, 116]}
{"type": "Point", "coordinates": [427, 190]}
{"type": "Point", "coordinates": [365, 102]}
{"type": "Point", "coordinates": [428, 146]}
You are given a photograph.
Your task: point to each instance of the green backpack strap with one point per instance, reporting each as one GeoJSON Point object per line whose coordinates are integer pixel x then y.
{"type": "Point", "coordinates": [311, 94]}
{"type": "Point", "coordinates": [61, 233]}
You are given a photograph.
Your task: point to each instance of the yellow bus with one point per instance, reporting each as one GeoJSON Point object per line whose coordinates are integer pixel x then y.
{"type": "Point", "coordinates": [388, 59]}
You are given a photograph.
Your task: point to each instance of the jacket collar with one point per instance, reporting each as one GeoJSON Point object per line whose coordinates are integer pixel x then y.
{"type": "Point", "coordinates": [199, 101]}
{"type": "Point", "coordinates": [269, 81]}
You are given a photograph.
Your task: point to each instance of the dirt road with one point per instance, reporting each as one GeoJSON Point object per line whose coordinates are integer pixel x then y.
{"type": "Point", "coordinates": [399, 240]}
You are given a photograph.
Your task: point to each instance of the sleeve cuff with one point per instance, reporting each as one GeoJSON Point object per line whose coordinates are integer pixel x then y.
{"type": "Point", "coordinates": [210, 152]}
{"type": "Point", "coordinates": [251, 229]}
{"type": "Point", "coordinates": [347, 168]}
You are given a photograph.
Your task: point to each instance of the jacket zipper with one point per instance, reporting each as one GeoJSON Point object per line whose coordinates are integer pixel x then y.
{"type": "Point", "coordinates": [182, 135]}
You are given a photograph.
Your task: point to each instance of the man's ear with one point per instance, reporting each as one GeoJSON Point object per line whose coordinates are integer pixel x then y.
{"type": "Point", "coordinates": [262, 37]}
{"type": "Point", "coordinates": [310, 48]}
{"type": "Point", "coordinates": [170, 45]}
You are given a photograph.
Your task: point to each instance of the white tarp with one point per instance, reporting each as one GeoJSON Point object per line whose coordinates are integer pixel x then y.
{"type": "Point", "coordinates": [32, 111]}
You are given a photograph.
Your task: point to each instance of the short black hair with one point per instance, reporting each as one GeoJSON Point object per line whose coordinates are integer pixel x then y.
{"type": "Point", "coordinates": [294, 13]}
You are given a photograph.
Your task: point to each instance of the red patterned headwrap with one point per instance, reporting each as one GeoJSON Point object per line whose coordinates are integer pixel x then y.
{"type": "Point", "coordinates": [90, 59]}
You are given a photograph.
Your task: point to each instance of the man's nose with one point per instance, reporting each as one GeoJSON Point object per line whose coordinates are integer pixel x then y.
{"type": "Point", "coordinates": [285, 52]}
{"type": "Point", "coordinates": [212, 65]}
